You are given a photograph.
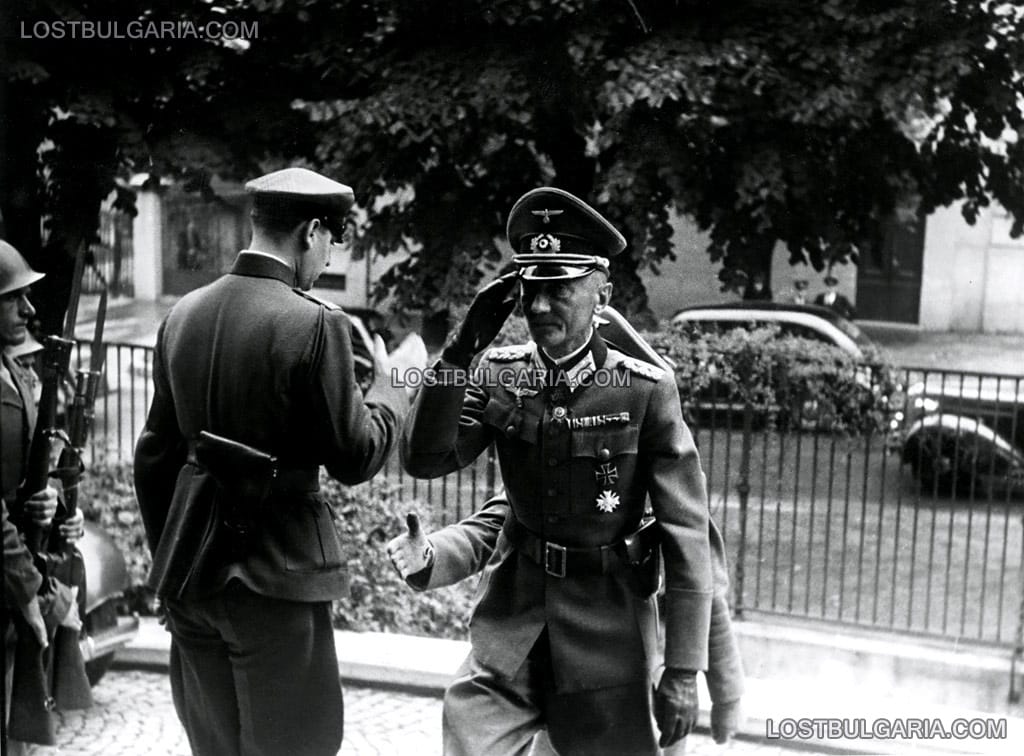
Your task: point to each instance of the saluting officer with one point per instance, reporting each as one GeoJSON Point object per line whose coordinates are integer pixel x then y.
{"type": "Point", "coordinates": [565, 631]}
{"type": "Point", "coordinates": [256, 361]}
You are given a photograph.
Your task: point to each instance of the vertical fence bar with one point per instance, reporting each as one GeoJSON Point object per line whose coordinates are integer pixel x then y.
{"type": "Point", "coordinates": [828, 526]}
{"type": "Point", "coordinates": [863, 523]}
{"type": "Point", "coordinates": [743, 489]}
{"type": "Point", "coordinates": [953, 488]}
{"type": "Point", "coordinates": [760, 517]}
{"type": "Point", "coordinates": [863, 526]}
{"type": "Point", "coordinates": [1014, 429]}
{"type": "Point", "coordinates": [795, 518]}
{"type": "Point", "coordinates": [846, 530]}
{"type": "Point", "coordinates": [778, 518]}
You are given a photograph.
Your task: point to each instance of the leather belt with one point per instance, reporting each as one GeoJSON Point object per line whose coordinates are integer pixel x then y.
{"type": "Point", "coordinates": [286, 480]}
{"type": "Point", "coordinates": [563, 561]}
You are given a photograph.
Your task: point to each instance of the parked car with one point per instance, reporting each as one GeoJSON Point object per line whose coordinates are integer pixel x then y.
{"type": "Point", "coordinates": [105, 627]}
{"type": "Point", "coordinates": [805, 321]}
{"type": "Point", "coordinates": [964, 434]}
{"type": "Point", "coordinates": [870, 380]}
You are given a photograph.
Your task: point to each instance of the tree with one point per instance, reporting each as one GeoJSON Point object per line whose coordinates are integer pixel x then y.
{"type": "Point", "coordinates": [95, 90]}
{"type": "Point", "coordinates": [764, 121]}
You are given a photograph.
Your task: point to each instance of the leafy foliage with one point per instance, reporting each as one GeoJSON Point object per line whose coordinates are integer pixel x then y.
{"type": "Point", "coordinates": [368, 516]}
{"type": "Point", "coordinates": [784, 121]}
{"type": "Point", "coordinates": [796, 383]}
{"type": "Point", "coordinates": [766, 122]}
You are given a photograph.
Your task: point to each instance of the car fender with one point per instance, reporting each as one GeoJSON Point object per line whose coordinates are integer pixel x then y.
{"type": "Point", "coordinates": [106, 574]}
{"type": "Point", "coordinates": [959, 425]}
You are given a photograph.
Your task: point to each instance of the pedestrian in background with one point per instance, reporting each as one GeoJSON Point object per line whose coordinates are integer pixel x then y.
{"type": "Point", "coordinates": [254, 391]}
{"type": "Point", "coordinates": [835, 301]}
{"type": "Point", "coordinates": [565, 630]}
{"type": "Point", "coordinates": [800, 291]}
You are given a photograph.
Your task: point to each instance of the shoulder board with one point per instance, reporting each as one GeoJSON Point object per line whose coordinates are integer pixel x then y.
{"type": "Point", "coordinates": [313, 298]}
{"type": "Point", "coordinates": [509, 353]}
{"type": "Point", "coordinates": [645, 369]}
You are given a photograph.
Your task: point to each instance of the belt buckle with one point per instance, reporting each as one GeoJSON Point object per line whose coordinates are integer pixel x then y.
{"type": "Point", "coordinates": [554, 559]}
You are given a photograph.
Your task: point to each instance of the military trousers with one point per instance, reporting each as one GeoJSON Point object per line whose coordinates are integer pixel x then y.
{"type": "Point", "coordinates": [486, 713]}
{"type": "Point", "coordinates": [255, 676]}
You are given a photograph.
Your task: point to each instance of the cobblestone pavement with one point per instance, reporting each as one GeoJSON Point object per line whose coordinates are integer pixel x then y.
{"type": "Point", "coordinates": [134, 716]}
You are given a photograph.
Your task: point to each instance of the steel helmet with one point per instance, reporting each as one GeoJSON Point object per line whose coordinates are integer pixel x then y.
{"type": "Point", "coordinates": [14, 271]}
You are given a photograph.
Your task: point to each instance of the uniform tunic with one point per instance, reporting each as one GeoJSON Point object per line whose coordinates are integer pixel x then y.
{"type": "Point", "coordinates": [578, 468]}
{"type": "Point", "coordinates": [253, 665]}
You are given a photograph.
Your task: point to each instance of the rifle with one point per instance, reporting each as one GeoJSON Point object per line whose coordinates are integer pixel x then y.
{"type": "Point", "coordinates": [31, 703]}
{"type": "Point", "coordinates": [70, 685]}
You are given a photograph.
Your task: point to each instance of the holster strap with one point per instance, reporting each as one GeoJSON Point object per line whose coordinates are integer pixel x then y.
{"type": "Point", "coordinates": [287, 479]}
{"type": "Point", "coordinates": [564, 561]}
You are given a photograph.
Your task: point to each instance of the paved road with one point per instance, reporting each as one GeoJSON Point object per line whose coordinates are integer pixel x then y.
{"type": "Point", "coordinates": [133, 716]}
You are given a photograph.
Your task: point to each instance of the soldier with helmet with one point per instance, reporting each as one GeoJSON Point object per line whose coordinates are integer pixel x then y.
{"type": "Point", "coordinates": [17, 425]}
{"type": "Point", "coordinates": [565, 632]}
{"type": "Point", "coordinates": [254, 392]}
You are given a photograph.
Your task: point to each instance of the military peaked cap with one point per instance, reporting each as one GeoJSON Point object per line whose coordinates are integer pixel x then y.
{"type": "Point", "coordinates": [556, 235]}
{"type": "Point", "coordinates": [296, 194]}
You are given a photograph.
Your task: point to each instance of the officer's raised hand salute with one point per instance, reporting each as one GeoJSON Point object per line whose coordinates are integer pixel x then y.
{"type": "Point", "coordinates": [486, 315]}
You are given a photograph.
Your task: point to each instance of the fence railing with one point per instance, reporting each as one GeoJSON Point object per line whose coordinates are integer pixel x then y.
{"type": "Point", "coordinates": [920, 531]}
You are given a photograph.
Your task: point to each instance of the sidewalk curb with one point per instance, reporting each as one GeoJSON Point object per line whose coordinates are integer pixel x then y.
{"type": "Point", "coordinates": [425, 666]}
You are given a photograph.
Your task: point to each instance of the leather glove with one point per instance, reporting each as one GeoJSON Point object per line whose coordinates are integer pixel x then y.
{"type": "Point", "coordinates": [487, 314]}
{"type": "Point", "coordinates": [675, 704]}
{"type": "Point", "coordinates": [725, 720]}
{"type": "Point", "coordinates": [411, 552]}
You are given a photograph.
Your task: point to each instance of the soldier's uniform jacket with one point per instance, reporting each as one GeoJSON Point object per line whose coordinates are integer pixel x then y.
{"type": "Point", "coordinates": [268, 366]}
{"type": "Point", "coordinates": [17, 426]}
{"type": "Point", "coordinates": [464, 548]}
{"type": "Point", "coordinates": [577, 471]}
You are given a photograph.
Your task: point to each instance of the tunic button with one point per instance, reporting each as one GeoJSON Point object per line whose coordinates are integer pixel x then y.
{"type": "Point", "coordinates": [552, 461]}
{"type": "Point", "coordinates": [511, 429]}
{"type": "Point", "coordinates": [559, 413]}
{"type": "Point", "coordinates": [604, 454]}
{"type": "Point", "coordinates": [553, 518]}
{"type": "Point", "coordinates": [552, 492]}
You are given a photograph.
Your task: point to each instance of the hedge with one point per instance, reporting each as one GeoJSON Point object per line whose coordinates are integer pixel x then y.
{"type": "Point", "coordinates": [367, 517]}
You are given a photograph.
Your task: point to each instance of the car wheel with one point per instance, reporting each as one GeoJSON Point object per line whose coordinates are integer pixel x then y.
{"type": "Point", "coordinates": [943, 464]}
{"type": "Point", "coordinates": [96, 668]}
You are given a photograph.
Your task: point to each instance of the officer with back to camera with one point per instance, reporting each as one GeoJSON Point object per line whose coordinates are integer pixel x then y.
{"type": "Point", "coordinates": [254, 391]}
{"type": "Point", "coordinates": [565, 630]}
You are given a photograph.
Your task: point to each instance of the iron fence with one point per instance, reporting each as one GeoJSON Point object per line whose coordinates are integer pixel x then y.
{"type": "Point", "coordinates": [919, 531]}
